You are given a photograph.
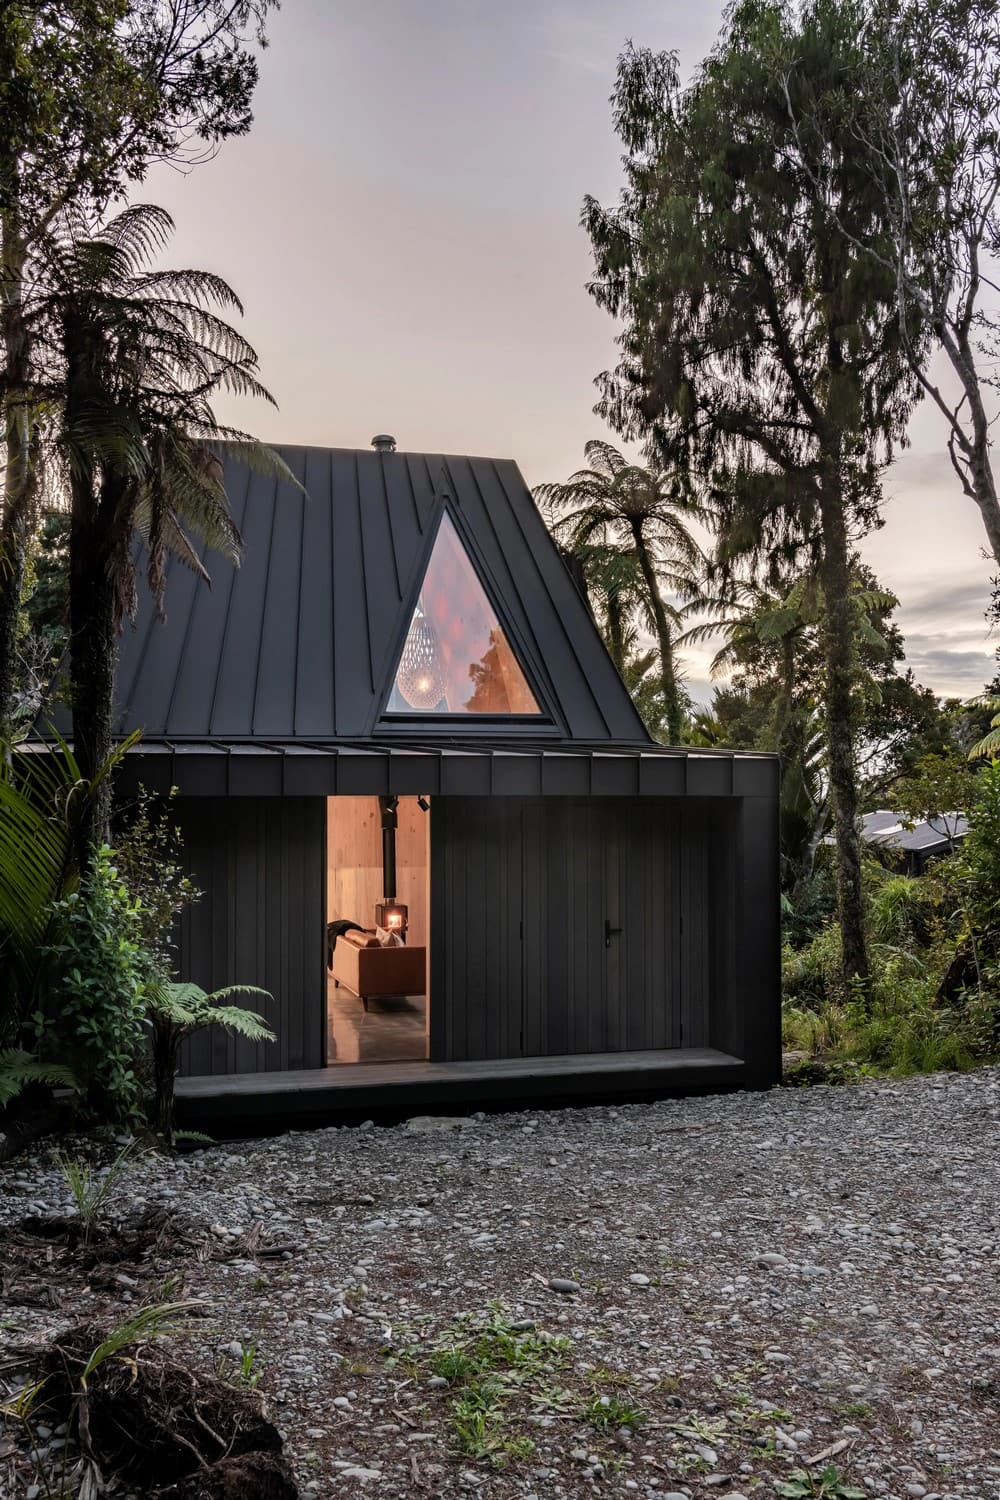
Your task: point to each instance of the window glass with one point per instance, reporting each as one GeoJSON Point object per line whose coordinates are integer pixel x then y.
{"type": "Point", "coordinates": [457, 659]}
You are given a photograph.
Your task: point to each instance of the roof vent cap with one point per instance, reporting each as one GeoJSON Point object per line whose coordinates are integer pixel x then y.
{"type": "Point", "coordinates": [383, 442]}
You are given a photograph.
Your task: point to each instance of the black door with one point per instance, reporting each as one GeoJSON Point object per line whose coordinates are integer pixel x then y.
{"type": "Point", "coordinates": [603, 933]}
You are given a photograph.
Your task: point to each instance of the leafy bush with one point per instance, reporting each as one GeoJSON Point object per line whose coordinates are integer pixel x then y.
{"type": "Point", "coordinates": [810, 976]}
{"type": "Point", "coordinates": [809, 907]}
{"type": "Point", "coordinates": [43, 802]}
{"type": "Point", "coordinates": [148, 854]}
{"type": "Point", "coordinates": [915, 927]}
{"type": "Point", "coordinates": [96, 1024]}
{"type": "Point", "coordinates": [978, 876]}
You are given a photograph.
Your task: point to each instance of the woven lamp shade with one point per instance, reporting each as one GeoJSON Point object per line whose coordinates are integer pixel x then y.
{"type": "Point", "coordinates": [419, 677]}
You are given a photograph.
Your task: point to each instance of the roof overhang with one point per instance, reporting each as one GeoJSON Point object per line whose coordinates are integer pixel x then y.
{"type": "Point", "coordinates": [215, 769]}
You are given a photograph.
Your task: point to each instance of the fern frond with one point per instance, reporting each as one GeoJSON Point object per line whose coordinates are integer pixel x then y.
{"type": "Point", "coordinates": [18, 1070]}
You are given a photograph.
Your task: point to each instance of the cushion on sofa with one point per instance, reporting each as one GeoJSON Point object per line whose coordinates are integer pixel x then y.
{"type": "Point", "coordinates": [360, 939]}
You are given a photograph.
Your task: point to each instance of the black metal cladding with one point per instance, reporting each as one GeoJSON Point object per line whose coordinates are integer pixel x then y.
{"type": "Point", "coordinates": [261, 920]}
{"type": "Point", "coordinates": [301, 642]}
{"type": "Point", "coordinates": [575, 925]}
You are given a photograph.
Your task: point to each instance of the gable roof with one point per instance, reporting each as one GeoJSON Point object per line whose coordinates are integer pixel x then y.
{"type": "Point", "coordinates": [300, 644]}
{"type": "Point", "coordinates": [924, 836]}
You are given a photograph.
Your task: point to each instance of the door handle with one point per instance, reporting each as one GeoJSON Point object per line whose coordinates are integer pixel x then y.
{"type": "Point", "coordinates": [610, 932]}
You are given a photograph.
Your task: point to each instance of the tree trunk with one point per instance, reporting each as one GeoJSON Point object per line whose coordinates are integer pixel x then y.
{"type": "Point", "coordinates": [167, 1039]}
{"type": "Point", "coordinates": [92, 647]}
{"type": "Point", "coordinates": [839, 653]}
{"type": "Point", "coordinates": [981, 471]}
{"type": "Point", "coordinates": [19, 476]}
{"type": "Point", "coordinates": [786, 698]}
{"type": "Point", "coordinates": [614, 634]}
{"type": "Point", "coordinates": [969, 446]}
{"type": "Point", "coordinates": [14, 535]}
{"type": "Point", "coordinates": [664, 638]}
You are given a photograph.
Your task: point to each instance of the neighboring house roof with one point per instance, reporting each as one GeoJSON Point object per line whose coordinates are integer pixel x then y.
{"type": "Point", "coordinates": [884, 827]}
{"type": "Point", "coordinates": [301, 643]}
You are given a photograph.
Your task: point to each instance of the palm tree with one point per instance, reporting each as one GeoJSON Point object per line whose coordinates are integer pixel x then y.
{"type": "Point", "coordinates": [754, 621]}
{"type": "Point", "coordinates": [612, 585]}
{"type": "Point", "coordinates": [614, 504]}
{"type": "Point", "coordinates": [136, 356]}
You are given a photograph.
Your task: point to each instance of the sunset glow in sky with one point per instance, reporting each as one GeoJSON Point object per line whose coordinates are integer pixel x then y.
{"type": "Point", "coordinates": [402, 226]}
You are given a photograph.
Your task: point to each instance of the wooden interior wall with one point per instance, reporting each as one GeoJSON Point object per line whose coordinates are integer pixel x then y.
{"type": "Point", "coordinates": [260, 864]}
{"type": "Point", "coordinates": [354, 856]}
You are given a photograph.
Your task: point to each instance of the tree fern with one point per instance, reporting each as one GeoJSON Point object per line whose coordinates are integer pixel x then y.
{"type": "Point", "coordinates": [18, 1070]}
{"type": "Point", "coordinates": [43, 801]}
{"type": "Point", "coordinates": [648, 514]}
{"type": "Point", "coordinates": [177, 1010]}
{"type": "Point", "coordinates": [989, 746]}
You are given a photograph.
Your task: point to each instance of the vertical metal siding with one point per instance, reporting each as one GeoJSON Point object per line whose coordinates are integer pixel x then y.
{"type": "Point", "coordinates": [556, 869]}
{"type": "Point", "coordinates": [475, 913]}
{"type": "Point", "coordinates": [261, 865]}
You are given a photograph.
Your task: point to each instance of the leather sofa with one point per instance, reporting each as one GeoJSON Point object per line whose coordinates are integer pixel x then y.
{"type": "Point", "coordinates": [362, 966]}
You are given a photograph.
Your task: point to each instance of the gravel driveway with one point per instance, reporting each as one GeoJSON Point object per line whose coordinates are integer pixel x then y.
{"type": "Point", "coordinates": [697, 1297]}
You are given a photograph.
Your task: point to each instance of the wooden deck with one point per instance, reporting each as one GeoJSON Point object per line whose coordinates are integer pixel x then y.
{"type": "Point", "coordinates": [410, 1086]}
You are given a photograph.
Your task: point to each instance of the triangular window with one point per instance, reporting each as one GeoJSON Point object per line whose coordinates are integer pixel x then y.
{"type": "Point", "coordinates": [457, 658]}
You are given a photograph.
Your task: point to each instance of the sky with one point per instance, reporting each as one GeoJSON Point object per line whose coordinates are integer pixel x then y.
{"type": "Point", "coordinates": [402, 225]}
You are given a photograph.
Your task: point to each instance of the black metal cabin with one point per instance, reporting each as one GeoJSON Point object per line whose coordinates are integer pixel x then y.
{"type": "Point", "coordinates": [403, 644]}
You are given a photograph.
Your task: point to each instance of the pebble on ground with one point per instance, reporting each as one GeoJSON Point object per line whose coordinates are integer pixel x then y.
{"type": "Point", "coordinates": [735, 1287]}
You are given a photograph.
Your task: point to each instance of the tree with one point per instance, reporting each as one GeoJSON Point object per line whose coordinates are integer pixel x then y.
{"type": "Point", "coordinates": [988, 748]}
{"type": "Point", "coordinates": [762, 629]}
{"type": "Point", "coordinates": [760, 352]}
{"type": "Point", "coordinates": [612, 586]}
{"type": "Point", "coordinates": [176, 1011]}
{"type": "Point", "coordinates": [137, 357]}
{"type": "Point", "coordinates": [643, 512]}
{"type": "Point", "coordinates": [94, 91]}
{"type": "Point", "coordinates": [926, 118]}
{"type": "Point", "coordinates": [940, 789]}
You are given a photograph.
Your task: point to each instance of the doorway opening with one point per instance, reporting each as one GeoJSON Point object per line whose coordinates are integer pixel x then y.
{"type": "Point", "coordinates": [378, 929]}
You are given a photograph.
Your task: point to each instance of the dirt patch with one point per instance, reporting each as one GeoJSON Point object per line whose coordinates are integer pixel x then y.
{"type": "Point", "coordinates": [45, 1259]}
{"type": "Point", "coordinates": [252, 1476]}
{"type": "Point", "coordinates": [147, 1419]}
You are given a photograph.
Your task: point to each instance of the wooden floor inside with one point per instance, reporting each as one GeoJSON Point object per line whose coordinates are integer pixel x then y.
{"type": "Point", "coordinates": [347, 1087]}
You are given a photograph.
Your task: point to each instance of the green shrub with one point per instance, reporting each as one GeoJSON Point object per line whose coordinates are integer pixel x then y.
{"type": "Point", "coordinates": [978, 873]}
{"type": "Point", "coordinates": [810, 976]}
{"type": "Point", "coordinates": [95, 1023]}
{"type": "Point", "coordinates": [809, 907]}
{"type": "Point", "coordinates": [148, 855]}
{"type": "Point", "coordinates": [915, 929]}
{"type": "Point", "coordinates": [900, 910]}
{"type": "Point", "coordinates": [817, 1032]}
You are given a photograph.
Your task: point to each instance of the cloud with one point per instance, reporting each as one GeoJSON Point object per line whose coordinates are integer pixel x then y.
{"type": "Point", "coordinates": [954, 670]}
{"type": "Point", "coordinates": [944, 601]}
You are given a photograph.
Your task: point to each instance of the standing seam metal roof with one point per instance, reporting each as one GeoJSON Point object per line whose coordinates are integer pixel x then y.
{"type": "Point", "coordinates": [300, 643]}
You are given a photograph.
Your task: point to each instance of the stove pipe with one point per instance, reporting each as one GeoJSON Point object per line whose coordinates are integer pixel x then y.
{"type": "Point", "coordinates": [389, 816]}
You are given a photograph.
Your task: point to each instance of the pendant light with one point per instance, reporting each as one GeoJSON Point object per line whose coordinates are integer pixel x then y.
{"type": "Point", "coordinates": [419, 678]}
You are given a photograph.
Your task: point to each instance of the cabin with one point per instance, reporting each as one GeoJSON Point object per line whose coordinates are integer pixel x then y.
{"type": "Point", "coordinates": [912, 844]}
{"type": "Point", "coordinates": [426, 817]}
